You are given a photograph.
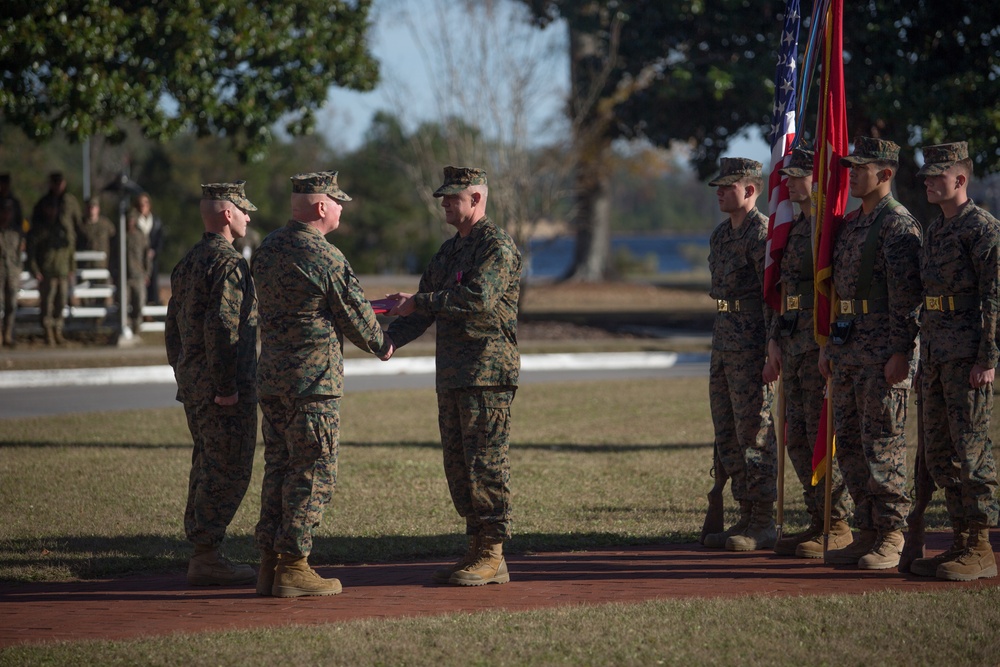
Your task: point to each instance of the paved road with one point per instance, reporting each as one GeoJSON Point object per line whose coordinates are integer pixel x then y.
{"type": "Point", "coordinates": [40, 393]}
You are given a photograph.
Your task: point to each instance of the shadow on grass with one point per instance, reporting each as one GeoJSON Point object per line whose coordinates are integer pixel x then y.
{"type": "Point", "coordinates": [569, 447]}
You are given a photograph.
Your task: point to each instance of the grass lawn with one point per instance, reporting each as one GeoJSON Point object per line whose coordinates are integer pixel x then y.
{"type": "Point", "coordinates": [594, 464]}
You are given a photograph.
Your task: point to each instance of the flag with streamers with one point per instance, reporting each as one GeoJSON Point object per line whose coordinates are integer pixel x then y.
{"type": "Point", "coordinates": [782, 136]}
{"type": "Point", "coordinates": [831, 195]}
{"type": "Point", "coordinates": [831, 183]}
{"type": "Point", "coordinates": [819, 447]}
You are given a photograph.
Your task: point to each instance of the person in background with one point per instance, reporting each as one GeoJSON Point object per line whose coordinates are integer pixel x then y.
{"type": "Point", "coordinates": [11, 246]}
{"type": "Point", "coordinates": [51, 248]}
{"type": "Point", "coordinates": [96, 232]}
{"type": "Point", "coordinates": [152, 228]}
{"type": "Point", "coordinates": [137, 278]}
{"type": "Point", "coordinates": [211, 338]}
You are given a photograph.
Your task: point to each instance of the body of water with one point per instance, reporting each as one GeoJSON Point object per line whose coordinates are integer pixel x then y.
{"type": "Point", "coordinates": [551, 258]}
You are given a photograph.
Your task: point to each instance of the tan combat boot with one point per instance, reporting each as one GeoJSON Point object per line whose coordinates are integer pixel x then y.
{"type": "Point", "coordinates": [58, 333]}
{"type": "Point", "coordinates": [840, 537]}
{"type": "Point", "coordinates": [294, 578]}
{"type": "Point", "coordinates": [852, 553]}
{"type": "Point", "coordinates": [885, 553]}
{"type": "Point", "coordinates": [8, 333]}
{"type": "Point", "coordinates": [759, 534]}
{"type": "Point", "coordinates": [718, 540]}
{"type": "Point", "coordinates": [927, 567]}
{"type": "Point", "coordinates": [788, 544]}
{"type": "Point", "coordinates": [210, 568]}
{"type": "Point", "coordinates": [976, 562]}
{"type": "Point", "coordinates": [50, 336]}
{"type": "Point", "coordinates": [489, 567]}
{"type": "Point", "coordinates": [265, 577]}
{"type": "Point", "coordinates": [443, 575]}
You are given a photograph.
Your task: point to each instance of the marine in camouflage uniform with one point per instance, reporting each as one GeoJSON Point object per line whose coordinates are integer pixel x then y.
{"type": "Point", "coordinates": [310, 301]}
{"type": "Point", "coordinates": [96, 232]}
{"type": "Point", "coordinates": [470, 290]}
{"type": "Point", "coordinates": [11, 243]}
{"type": "Point", "coordinates": [136, 272]}
{"type": "Point", "coordinates": [740, 399]}
{"type": "Point", "coordinates": [873, 369]}
{"type": "Point", "coordinates": [211, 339]}
{"type": "Point", "coordinates": [51, 247]}
{"type": "Point", "coordinates": [960, 270]}
{"type": "Point", "coordinates": [804, 388]}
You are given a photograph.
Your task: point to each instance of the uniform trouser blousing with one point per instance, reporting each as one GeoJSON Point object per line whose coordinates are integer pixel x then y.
{"type": "Point", "coordinates": [804, 390]}
{"type": "Point", "coordinates": [53, 295]}
{"type": "Point", "coordinates": [221, 465]}
{"type": "Point", "coordinates": [869, 416]}
{"type": "Point", "coordinates": [475, 432]}
{"type": "Point", "coordinates": [744, 432]}
{"type": "Point", "coordinates": [301, 437]}
{"type": "Point", "coordinates": [957, 440]}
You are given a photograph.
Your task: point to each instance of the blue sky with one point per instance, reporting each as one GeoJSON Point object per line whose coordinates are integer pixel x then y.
{"type": "Point", "coordinates": [405, 32]}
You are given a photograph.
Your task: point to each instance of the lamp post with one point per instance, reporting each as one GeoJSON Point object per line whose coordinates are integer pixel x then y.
{"type": "Point", "coordinates": [125, 188]}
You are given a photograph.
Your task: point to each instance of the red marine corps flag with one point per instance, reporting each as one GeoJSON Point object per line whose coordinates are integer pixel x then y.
{"type": "Point", "coordinates": [782, 212]}
{"type": "Point", "coordinates": [831, 194]}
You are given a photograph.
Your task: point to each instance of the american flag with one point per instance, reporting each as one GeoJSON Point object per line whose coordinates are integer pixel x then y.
{"type": "Point", "coordinates": [781, 138]}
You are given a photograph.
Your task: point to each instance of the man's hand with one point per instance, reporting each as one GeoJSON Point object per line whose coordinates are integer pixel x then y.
{"type": "Point", "coordinates": [897, 368]}
{"type": "Point", "coordinates": [980, 377]}
{"type": "Point", "coordinates": [389, 350]}
{"type": "Point", "coordinates": [404, 304]}
{"type": "Point", "coordinates": [772, 369]}
{"type": "Point", "coordinates": [824, 363]}
{"type": "Point", "coordinates": [228, 400]}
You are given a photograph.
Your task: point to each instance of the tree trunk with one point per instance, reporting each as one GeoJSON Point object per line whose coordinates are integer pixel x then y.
{"type": "Point", "coordinates": [593, 218]}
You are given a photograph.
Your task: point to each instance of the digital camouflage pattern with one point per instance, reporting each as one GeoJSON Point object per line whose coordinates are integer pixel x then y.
{"type": "Point", "coordinates": [960, 257]}
{"type": "Point", "coordinates": [230, 192]}
{"type": "Point", "coordinates": [869, 417]}
{"type": "Point", "coordinates": [211, 338]}
{"type": "Point", "coordinates": [470, 290]}
{"type": "Point", "coordinates": [801, 163]}
{"type": "Point", "coordinates": [869, 414]}
{"type": "Point", "coordinates": [301, 436]}
{"type": "Point", "coordinates": [735, 169]}
{"type": "Point", "coordinates": [736, 261]}
{"type": "Point", "coordinates": [878, 335]}
{"type": "Point", "coordinates": [211, 325]}
{"type": "Point", "coordinates": [475, 435]}
{"type": "Point", "coordinates": [938, 158]}
{"type": "Point", "coordinates": [739, 398]}
{"type": "Point", "coordinates": [318, 183]}
{"type": "Point", "coordinates": [458, 179]}
{"type": "Point", "coordinates": [741, 416]}
{"type": "Point", "coordinates": [804, 386]}
{"type": "Point", "coordinates": [137, 262]}
{"type": "Point", "coordinates": [309, 302]}
{"type": "Point", "coordinates": [957, 441]}
{"type": "Point", "coordinates": [221, 466]}
{"type": "Point", "coordinates": [96, 235]}
{"type": "Point", "coordinates": [867, 149]}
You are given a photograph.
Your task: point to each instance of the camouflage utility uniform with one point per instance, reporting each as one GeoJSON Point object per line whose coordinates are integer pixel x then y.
{"type": "Point", "coordinates": [136, 274]}
{"type": "Point", "coordinates": [211, 338]}
{"type": "Point", "coordinates": [96, 235]}
{"type": "Point", "coordinates": [470, 290]}
{"type": "Point", "coordinates": [310, 301]}
{"type": "Point", "coordinates": [960, 269]}
{"type": "Point", "coordinates": [740, 399]}
{"type": "Point", "coordinates": [51, 248]}
{"type": "Point", "coordinates": [803, 385]}
{"type": "Point", "coordinates": [869, 413]}
{"type": "Point", "coordinates": [11, 241]}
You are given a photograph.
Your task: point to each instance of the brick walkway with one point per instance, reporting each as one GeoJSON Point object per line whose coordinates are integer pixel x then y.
{"type": "Point", "coordinates": [137, 606]}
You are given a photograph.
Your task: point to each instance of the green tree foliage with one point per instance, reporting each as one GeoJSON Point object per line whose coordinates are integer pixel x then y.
{"type": "Point", "coordinates": [229, 68]}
